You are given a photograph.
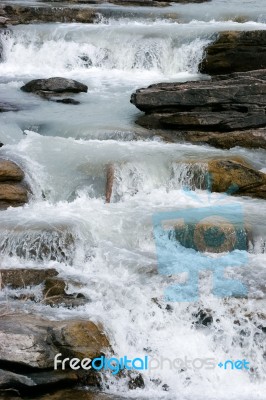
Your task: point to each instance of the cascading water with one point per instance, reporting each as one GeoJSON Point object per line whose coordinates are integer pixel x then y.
{"type": "Point", "coordinates": [110, 248]}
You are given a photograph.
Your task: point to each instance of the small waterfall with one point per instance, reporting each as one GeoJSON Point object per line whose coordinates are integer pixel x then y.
{"type": "Point", "coordinates": [41, 51]}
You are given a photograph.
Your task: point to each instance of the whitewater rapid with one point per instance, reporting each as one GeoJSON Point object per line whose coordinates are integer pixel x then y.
{"type": "Point", "coordinates": [64, 151]}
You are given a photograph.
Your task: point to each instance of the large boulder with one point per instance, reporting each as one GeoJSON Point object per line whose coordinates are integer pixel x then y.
{"type": "Point", "coordinates": [235, 52]}
{"type": "Point", "coordinates": [33, 342]}
{"type": "Point", "coordinates": [29, 344]}
{"type": "Point", "coordinates": [227, 103]}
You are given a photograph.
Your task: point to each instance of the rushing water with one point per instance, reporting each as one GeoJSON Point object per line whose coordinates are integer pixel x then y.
{"type": "Point", "coordinates": [65, 151]}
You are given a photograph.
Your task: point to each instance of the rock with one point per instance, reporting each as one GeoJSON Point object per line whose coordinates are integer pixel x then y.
{"type": "Point", "coordinates": [203, 318]}
{"type": "Point", "coordinates": [235, 52]}
{"type": "Point", "coordinates": [54, 85]}
{"type": "Point", "coordinates": [23, 277]}
{"type": "Point", "coordinates": [12, 195]}
{"type": "Point", "coordinates": [55, 294]}
{"type": "Point", "coordinates": [136, 382]}
{"type": "Point", "coordinates": [15, 381]}
{"type": "Point", "coordinates": [20, 14]}
{"type": "Point", "coordinates": [237, 173]}
{"type": "Point", "coordinates": [9, 171]}
{"type": "Point", "coordinates": [251, 138]}
{"type": "Point", "coordinates": [54, 287]}
{"type": "Point", "coordinates": [228, 103]}
{"type": "Point", "coordinates": [68, 101]}
{"type": "Point", "coordinates": [44, 339]}
{"type": "Point", "coordinates": [3, 21]}
{"type": "Point", "coordinates": [73, 394]}
{"type": "Point", "coordinates": [5, 107]}
{"type": "Point", "coordinates": [51, 88]}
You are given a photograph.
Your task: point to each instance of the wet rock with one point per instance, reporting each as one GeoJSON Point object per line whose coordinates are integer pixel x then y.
{"type": "Point", "coordinates": [44, 339]}
{"type": "Point", "coordinates": [9, 171]}
{"type": "Point", "coordinates": [52, 88]}
{"type": "Point", "coordinates": [235, 52]}
{"type": "Point", "coordinates": [136, 382]}
{"type": "Point", "coordinates": [73, 394]}
{"type": "Point", "coordinates": [20, 14]}
{"type": "Point", "coordinates": [55, 294]}
{"type": "Point", "coordinates": [54, 85]}
{"type": "Point", "coordinates": [23, 277]}
{"type": "Point", "coordinates": [203, 317]}
{"type": "Point", "coordinates": [6, 107]}
{"type": "Point", "coordinates": [12, 195]}
{"type": "Point", "coordinates": [238, 175]}
{"type": "Point", "coordinates": [15, 381]}
{"type": "Point", "coordinates": [68, 101]}
{"type": "Point", "coordinates": [251, 138]}
{"type": "Point", "coordinates": [225, 112]}
{"type": "Point", "coordinates": [36, 382]}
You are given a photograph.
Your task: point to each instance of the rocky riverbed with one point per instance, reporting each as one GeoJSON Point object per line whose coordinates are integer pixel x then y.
{"type": "Point", "coordinates": [114, 116]}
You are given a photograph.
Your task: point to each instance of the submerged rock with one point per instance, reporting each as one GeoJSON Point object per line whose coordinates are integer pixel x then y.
{"type": "Point", "coordinates": [6, 107]}
{"type": "Point", "coordinates": [235, 52]}
{"type": "Point", "coordinates": [228, 103]}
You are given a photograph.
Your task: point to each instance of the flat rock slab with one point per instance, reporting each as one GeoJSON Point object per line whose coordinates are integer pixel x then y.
{"type": "Point", "coordinates": [227, 103]}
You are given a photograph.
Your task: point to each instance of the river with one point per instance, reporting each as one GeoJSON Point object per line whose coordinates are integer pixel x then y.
{"type": "Point", "coordinates": [64, 151]}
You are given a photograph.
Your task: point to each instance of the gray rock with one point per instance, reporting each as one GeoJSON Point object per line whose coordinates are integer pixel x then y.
{"type": "Point", "coordinates": [227, 103]}
{"type": "Point", "coordinates": [6, 107]}
{"type": "Point", "coordinates": [33, 342]}
{"type": "Point", "coordinates": [54, 85]}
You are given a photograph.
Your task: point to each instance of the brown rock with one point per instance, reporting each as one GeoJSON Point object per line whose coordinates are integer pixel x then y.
{"type": "Point", "coordinates": [19, 14]}
{"type": "Point", "coordinates": [235, 52]}
{"type": "Point", "coordinates": [9, 171]}
{"type": "Point", "coordinates": [12, 195]}
{"type": "Point", "coordinates": [239, 175]}
{"type": "Point", "coordinates": [23, 277]}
